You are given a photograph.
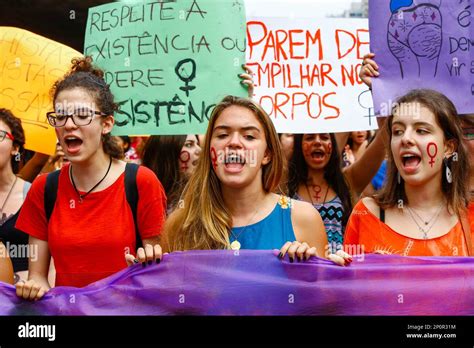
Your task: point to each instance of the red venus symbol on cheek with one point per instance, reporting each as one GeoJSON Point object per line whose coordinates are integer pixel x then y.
{"type": "Point", "coordinates": [432, 156]}
{"type": "Point", "coordinates": [214, 158]}
{"type": "Point", "coordinates": [184, 158]}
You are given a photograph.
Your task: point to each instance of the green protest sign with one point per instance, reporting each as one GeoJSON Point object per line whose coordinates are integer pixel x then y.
{"type": "Point", "coordinates": [168, 62]}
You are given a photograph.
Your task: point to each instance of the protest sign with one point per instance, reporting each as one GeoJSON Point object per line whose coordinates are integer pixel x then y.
{"type": "Point", "coordinates": [307, 73]}
{"type": "Point", "coordinates": [257, 282]}
{"type": "Point", "coordinates": [422, 44]}
{"type": "Point", "coordinates": [168, 62]}
{"type": "Point", "coordinates": [29, 65]}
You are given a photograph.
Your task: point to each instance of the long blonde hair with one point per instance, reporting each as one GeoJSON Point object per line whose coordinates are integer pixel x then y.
{"type": "Point", "coordinates": [202, 220]}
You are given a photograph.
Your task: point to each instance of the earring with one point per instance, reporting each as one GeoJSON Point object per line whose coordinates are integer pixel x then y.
{"type": "Point", "coordinates": [449, 175]}
{"type": "Point", "coordinates": [17, 157]}
{"type": "Point", "coordinates": [399, 180]}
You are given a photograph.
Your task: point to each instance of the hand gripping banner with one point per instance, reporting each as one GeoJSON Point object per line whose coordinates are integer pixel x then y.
{"type": "Point", "coordinates": [258, 283]}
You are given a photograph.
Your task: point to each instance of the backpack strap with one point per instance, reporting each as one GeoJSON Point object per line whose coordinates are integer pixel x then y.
{"type": "Point", "coordinates": [466, 230]}
{"type": "Point", "coordinates": [131, 192]}
{"type": "Point", "coordinates": [50, 192]}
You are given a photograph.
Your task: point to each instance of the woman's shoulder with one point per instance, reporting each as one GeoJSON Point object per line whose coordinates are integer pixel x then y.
{"type": "Point", "coordinates": [145, 173]}
{"type": "Point", "coordinates": [303, 212]}
{"type": "Point", "coordinates": [148, 182]}
{"type": "Point", "coordinates": [286, 202]}
{"type": "Point", "coordinates": [38, 183]}
{"type": "Point", "coordinates": [368, 204]}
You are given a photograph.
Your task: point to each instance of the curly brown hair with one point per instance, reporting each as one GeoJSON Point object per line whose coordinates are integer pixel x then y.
{"type": "Point", "coordinates": [85, 75]}
{"type": "Point", "coordinates": [14, 123]}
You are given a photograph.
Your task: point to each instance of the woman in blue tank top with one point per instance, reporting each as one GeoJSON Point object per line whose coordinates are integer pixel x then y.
{"type": "Point", "coordinates": [229, 202]}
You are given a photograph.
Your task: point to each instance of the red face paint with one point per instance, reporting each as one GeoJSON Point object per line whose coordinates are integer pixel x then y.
{"type": "Point", "coordinates": [184, 158]}
{"type": "Point", "coordinates": [316, 190]}
{"type": "Point", "coordinates": [214, 158]}
{"type": "Point", "coordinates": [432, 155]}
{"type": "Point", "coordinates": [307, 148]}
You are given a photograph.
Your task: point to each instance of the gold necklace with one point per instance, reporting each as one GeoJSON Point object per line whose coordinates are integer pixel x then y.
{"type": "Point", "coordinates": [235, 245]}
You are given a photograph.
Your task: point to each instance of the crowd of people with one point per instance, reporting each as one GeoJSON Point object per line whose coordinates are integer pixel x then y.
{"type": "Point", "coordinates": [101, 204]}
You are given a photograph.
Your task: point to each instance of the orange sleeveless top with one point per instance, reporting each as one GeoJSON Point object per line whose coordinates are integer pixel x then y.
{"type": "Point", "coordinates": [366, 233]}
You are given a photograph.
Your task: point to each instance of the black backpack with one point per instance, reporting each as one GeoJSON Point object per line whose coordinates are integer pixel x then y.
{"type": "Point", "coordinates": [131, 191]}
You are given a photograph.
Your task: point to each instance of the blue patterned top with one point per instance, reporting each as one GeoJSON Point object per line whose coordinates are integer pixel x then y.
{"type": "Point", "coordinates": [331, 212]}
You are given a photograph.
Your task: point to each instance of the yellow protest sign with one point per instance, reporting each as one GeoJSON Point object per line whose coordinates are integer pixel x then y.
{"type": "Point", "coordinates": [29, 66]}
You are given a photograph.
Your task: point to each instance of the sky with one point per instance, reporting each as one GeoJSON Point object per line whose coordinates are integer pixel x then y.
{"type": "Point", "coordinates": [313, 8]}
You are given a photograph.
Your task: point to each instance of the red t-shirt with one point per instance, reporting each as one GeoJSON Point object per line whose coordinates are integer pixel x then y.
{"type": "Point", "coordinates": [88, 240]}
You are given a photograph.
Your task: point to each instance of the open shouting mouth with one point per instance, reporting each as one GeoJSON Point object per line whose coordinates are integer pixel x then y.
{"type": "Point", "coordinates": [73, 144]}
{"type": "Point", "coordinates": [318, 155]}
{"type": "Point", "coordinates": [410, 161]}
{"type": "Point", "coordinates": [234, 162]}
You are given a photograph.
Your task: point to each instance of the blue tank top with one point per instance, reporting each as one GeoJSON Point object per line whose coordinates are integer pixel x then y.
{"type": "Point", "coordinates": [271, 232]}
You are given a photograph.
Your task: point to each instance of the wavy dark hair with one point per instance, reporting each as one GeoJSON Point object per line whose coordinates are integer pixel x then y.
{"type": "Point", "coordinates": [298, 174]}
{"type": "Point", "coordinates": [161, 155]}
{"type": "Point", "coordinates": [88, 77]}
{"type": "Point", "coordinates": [14, 123]}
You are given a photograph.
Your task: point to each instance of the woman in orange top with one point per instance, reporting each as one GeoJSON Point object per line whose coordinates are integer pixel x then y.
{"type": "Point", "coordinates": [417, 212]}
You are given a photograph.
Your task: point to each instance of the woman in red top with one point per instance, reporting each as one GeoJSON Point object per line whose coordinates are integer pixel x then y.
{"type": "Point", "coordinates": [418, 211]}
{"type": "Point", "coordinates": [91, 226]}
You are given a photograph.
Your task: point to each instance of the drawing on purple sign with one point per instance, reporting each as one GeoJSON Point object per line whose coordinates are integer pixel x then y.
{"type": "Point", "coordinates": [415, 36]}
{"type": "Point", "coordinates": [365, 101]}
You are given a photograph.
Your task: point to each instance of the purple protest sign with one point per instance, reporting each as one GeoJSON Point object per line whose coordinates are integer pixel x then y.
{"type": "Point", "coordinates": [252, 282]}
{"type": "Point", "coordinates": [422, 44]}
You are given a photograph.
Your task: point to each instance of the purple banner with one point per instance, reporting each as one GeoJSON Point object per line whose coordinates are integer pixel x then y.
{"type": "Point", "coordinates": [422, 44]}
{"type": "Point", "coordinates": [258, 283]}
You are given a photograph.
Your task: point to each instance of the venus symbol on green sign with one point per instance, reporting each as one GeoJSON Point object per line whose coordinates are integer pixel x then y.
{"type": "Point", "coordinates": [168, 62]}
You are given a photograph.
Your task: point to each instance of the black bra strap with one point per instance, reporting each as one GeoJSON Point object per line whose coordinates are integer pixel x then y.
{"type": "Point", "coordinates": [382, 215]}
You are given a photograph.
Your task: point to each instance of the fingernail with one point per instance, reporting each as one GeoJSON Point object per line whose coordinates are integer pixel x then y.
{"type": "Point", "coordinates": [150, 263]}
{"type": "Point", "coordinates": [135, 261]}
{"type": "Point", "coordinates": [143, 264]}
{"type": "Point", "coordinates": [291, 260]}
{"type": "Point", "coordinates": [158, 261]}
{"type": "Point", "coordinates": [298, 258]}
{"type": "Point", "coordinates": [280, 255]}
